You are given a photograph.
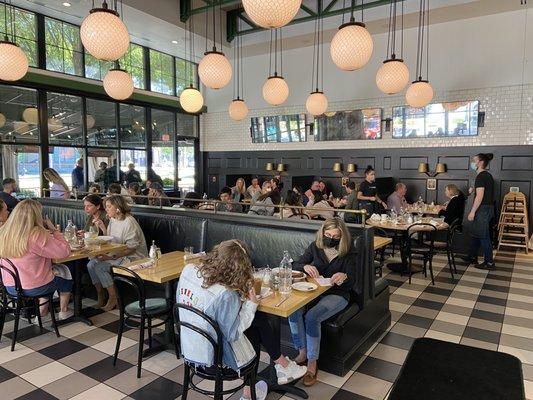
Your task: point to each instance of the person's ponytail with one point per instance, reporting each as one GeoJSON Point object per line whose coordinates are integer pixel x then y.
{"type": "Point", "coordinates": [485, 158]}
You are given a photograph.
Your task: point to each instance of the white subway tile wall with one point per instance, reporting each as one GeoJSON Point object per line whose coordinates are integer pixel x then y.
{"type": "Point", "coordinates": [508, 121]}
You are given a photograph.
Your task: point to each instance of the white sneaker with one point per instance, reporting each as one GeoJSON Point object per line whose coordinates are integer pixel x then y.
{"type": "Point", "coordinates": [290, 373]}
{"type": "Point", "coordinates": [65, 315]}
{"type": "Point", "coordinates": [44, 319]}
{"type": "Point", "coordinates": [261, 391]}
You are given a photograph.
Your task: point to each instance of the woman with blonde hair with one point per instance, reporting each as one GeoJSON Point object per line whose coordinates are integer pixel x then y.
{"type": "Point", "coordinates": [332, 256]}
{"type": "Point", "coordinates": [238, 192]}
{"type": "Point", "coordinates": [31, 243]}
{"type": "Point", "coordinates": [221, 286]}
{"type": "Point", "coordinates": [454, 208]}
{"type": "Point", "coordinates": [59, 188]}
{"type": "Point", "coordinates": [4, 213]}
{"type": "Point", "coordinates": [124, 229]}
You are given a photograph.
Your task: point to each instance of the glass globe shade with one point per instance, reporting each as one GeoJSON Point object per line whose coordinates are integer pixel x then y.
{"type": "Point", "coordinates": [275, 90]}
{"type": "Point", "coordinates": [419, 94]}
{"type": "Point", "coordinates": [21, 127]}
{"type": "Point", "coordinates": [31, 115]}
{"type": "Point", "coordinates": [90, 121]}
{"type": "Point", "coordinates": [317, 103]}
{"type": "Point", "coordinates": [104, 35]}
{"type": "Point", "coordinates": [351, 47]}
{"type": "Point", "coordinates": [238, 110]}
{"type": "Point", "coordinates": [191, 100]}
{"type": "Point", "coordinates": [13, 62]}
{"type": "Point", "coordinates": [54, 124]}
{"type": "Point", "coordinates": [215, 70]}
{"type": "Point", "coordinates": [392, 76]}
{"type": "Point", "coordinates": [118, 84]}
{"type": "Point", "coordinates": [2, 120]}
{"type": "Point", "coordinates": [270, 14]}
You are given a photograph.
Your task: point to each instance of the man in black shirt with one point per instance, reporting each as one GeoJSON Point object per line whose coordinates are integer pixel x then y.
{"type": "Point", "coordinates": [9, 185]}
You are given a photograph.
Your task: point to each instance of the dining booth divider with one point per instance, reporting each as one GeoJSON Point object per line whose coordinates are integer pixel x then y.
{"type": "Point", "coordinates": [345, 337]}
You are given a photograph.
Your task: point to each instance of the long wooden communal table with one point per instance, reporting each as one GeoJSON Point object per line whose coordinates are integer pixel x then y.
{"type": "Point", "coordinates": [76, 257]}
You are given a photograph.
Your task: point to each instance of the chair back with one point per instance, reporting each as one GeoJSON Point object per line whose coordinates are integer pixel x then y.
{"type": "Point", "coordinates": [130, 285]}
{"type": "Point", "coordinates": [215, 342]}
{"type": "Point", "coordinates": [423, 228]}
{"type": "Point", "coordinates": [453, 229]}
{"type": "Point", "coordinates": [12, 271]}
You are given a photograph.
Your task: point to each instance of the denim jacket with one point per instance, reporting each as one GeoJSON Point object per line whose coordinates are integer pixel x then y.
{"type": "Point", "coordinates": [225, 307]}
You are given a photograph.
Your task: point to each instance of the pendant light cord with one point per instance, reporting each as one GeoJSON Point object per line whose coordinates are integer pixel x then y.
{"type": "Point", "coordinates": [206, 28]}
{"type": "Point", "coordinates": [13, 26]}
{"type": "Point", "coordinates": [214, 29]}
{"type": "Point", "coordinates": [315, 63]}
{"type": "Point", "coordinates": [281, 51]}
{"type": "Point", "coordinates": [401, 50]}
{"type": "Point", "coordinates": [418, 41]}
{"type": "Point", "coordinates": [5, 21]}
{"type": "Point", "coordinates": [352, 18]}
{"type": "Point", "coordinates": [220, 22]}
{"type": "Point", "coordinates": [427, 42]}
{"type": "Point", "coordinates": [270, 54]}
{"type": "Point", "coordinates": [343, 10]}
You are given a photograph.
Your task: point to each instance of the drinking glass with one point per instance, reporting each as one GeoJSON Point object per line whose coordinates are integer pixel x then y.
{"type": "Point", "coordinates": [189, 250]}
{"type": "Point", "coordinates": [93, 230]}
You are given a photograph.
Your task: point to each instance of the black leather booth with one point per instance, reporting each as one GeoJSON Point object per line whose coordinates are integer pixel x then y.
{"type": "Point", "coordinates": [345, 337]}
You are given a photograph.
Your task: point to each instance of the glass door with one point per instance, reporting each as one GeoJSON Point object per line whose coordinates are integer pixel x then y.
{"type": "Point", "coordinates": [186, 165]}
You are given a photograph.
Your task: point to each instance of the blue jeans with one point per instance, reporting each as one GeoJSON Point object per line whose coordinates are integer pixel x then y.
{"type": "Point", "coordinates": [100, 272]}
{"type": "Point", "coordinates": [486, 247]}
{"type": "Point", "coordinates": [60, 284]}
{"type": "Point", "coordinates": [306, 329]}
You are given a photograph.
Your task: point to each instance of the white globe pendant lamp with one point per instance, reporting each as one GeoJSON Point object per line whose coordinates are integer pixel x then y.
{"type": "Point", "coordinates": [238, 110]}
{"type": "Point", "coordinates": [275, 90]}
{"type": "Point", "coordinates": [191, 100]}
{"type": "Point", "coordinates": [104, 35]}
{"type": "Point", "coordinates": [90, 121]}
{"type": "Point", "coordinates": [393, 76]}
{"type": "Point", "coordinates": [118, 84]}
{"type": "Point", "coordinates": [2, 120]}
{"type": "Point", "coordinates": [31, 115]}
{"type": "Point", "coordinates": [419, 94]}
{"type": "Point", "coordinates": [13, 61]}
{"type": "Point", "coordinates": [317, 103]}
{"type": "Point", "coordinates": [271, 14]}
{"type": "Point", "coordinates": [214, 69]}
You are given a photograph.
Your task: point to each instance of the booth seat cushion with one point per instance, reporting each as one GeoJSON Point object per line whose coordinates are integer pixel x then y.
{"type": "Point", "coordinates": [339, 320]}
{"type": "Point", "coordinates": [153, 306]}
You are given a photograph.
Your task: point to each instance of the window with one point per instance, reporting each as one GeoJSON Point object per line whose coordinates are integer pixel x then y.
{"type": "Point", "coordinates": [163, 138]}
{"type": "Point", "coordinates": [133, 62]}
{"type": "Point", "coordinates": [103, 131]}
{"type": "Point", "coordinates": [23, 163]}
{"type": "Point", "coordinates": [185, 75]}
{"type": "Point", "coordinates": [63, 47]}
{"type": "Point", "coordinates": [349, 125]}
{"type": "Point", "coordinates": [436, 120]}
{"type": "Point", "coordinates": [186, 165]}
{"type": "Point", "coordinates": [132, 126]}
{"type": "Point", "coordinates": [97, 174]}
{"type": "Point", "coordinates": [161, 72]}
{"type": "Point", "coordinates": [19, 118]}
{"type": "Point", "coordinates": [187, 125]}
{"type": "Point", "coordinates": [25, 31]}
{"type": "Point", "coordinates": [63, 160]}
{"type": "Point", "coordinates": [64, 119]}
{"type": "Point", "coordinates": [137, 157]}
{"type": "Point", "coordinates": [279, 128]}
{"type": "Point", "coordinates": [96, 69]}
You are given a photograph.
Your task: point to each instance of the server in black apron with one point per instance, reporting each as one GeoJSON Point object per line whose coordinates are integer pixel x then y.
{"type": "Point", "coordinates": [367, 193]}
{"type": "Point", "coordinates": [482, 212]}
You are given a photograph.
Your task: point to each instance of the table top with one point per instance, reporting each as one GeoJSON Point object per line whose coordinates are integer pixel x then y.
{"type": "Point", "coordinates": [427, 210]}
{"type": "Point", "coordinates": [403, 227]}
{"type": "Point", "coordinates": [380, 242]}
{"type": "Point", "coordinates": [91, 252]}
{"type": "Point", "coordinates": [168, 268]}
{"type": "Point", "coordinates": [294, 302]}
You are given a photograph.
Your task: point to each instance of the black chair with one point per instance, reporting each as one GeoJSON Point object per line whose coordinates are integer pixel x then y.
{"type": "Point", "coordinates": [218, 372]}
{"type": "Point", "coordinates": [139, 313]}
{"type": "Point", "coordinates": [14, 304]}
{"type": "Point", "coordinates": [419, 244]}
{"type": "Point", "coordinates": [447, 245]}
{"type": "Point", "coordinates": [379, 257]}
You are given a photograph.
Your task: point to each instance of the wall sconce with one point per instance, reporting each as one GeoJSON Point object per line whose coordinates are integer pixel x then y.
{"type": "Point", "coordinates": [351, 168]}
{"type": "Point", "coordinates": [269, 166]}
{"type": "Point", "coordinates": [337, 167]}
{"type": "Point", "coordinates": [281, 168]}
{"type": "Point", "coordinates": [423, 168]}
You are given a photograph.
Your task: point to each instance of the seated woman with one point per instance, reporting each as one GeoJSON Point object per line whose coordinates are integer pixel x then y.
{"type": "Point", "coordinates": [31, 243]}
{"type": "Point", "coordinates": [332, 256]}
{"type": "Point", "coordinates": [4, 214]}
{"type": "Point", "coordinates": [93, 206]}
{"type": "Point", "coordinates": [264, 205]}
{"type": "Point", "coordinates": [95, 189]}
{"type": "Point", "coordinates": [59, 188]}
{"type": "Point", "coordinates": [317, 201]}
{"type": "Point", "coordinates": [157, 196]}
{"type": "Point", "coordinates": [293, 199]}
{"type": "Point", "coordinates": [134, 190]}
{"type": "Point", "coordinates": [238, 192]}
{"type": "Point", "coordinates": [124, 229]}
{"type": "Point", "coordinates": [189, 200]}
{"type": "Point", "coordinates": [221, 286]}
{"type": "Point", "coordinates": [455, 207]}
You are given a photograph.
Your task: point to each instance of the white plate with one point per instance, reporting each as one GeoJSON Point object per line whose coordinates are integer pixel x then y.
{"type": "Point", "coordinates": [304, 286]}
{"type": "Point", "coordinates": [105, 239]}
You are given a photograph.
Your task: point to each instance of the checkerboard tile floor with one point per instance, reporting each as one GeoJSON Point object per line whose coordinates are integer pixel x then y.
{"type": "Point", "coordinates": [490, 310]}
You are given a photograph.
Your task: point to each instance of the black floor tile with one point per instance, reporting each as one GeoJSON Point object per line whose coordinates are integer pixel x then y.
{"type": "Point", "coordinates": [397, 340]}
{"type": "Point", "coordinates": [160, 389]}
{"type": "Point", "coordinates": [415, 320]}
{"type": "Point", "coordinates": [104, 369]}
{"type": "Point", "coordinates": [481, 334]}
{"type": "Point", "coordinates": [62, 349]}
{"type": "Point", "coordinates": [113, 327]}
{"type": "Point", "coordinates": [486, 315]}
{"type": "Point", "coordinates": [345, 395]}
{"type": "Point", "coordinates": [5, 374]}
{"type": "Point", "coordinates": [38, 394]}
{"type": "Point", "coordinates": [439, 291]}
{"type": "Point", "coordinates": [379, 369]}
{"type": "Point", "coordinates": [492, 300]}
{"type": "Point", "coordinates": [28, 332]}
{"type": "Point", "coordinates": [433, 305]}
{"type": "Point", "coordinates": [495, 288]}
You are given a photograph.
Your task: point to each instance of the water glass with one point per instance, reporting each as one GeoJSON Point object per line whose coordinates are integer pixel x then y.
{"type": "Point", "coordinates": [93, 231]}
{"type": "Point", "coordinates": [189, 250]}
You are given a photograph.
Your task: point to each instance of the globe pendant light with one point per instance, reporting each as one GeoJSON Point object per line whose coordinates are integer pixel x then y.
{"type": "Point", "coordinates": [2, 120]}
{"type": "Point", "coordinates": [275, 89]}
{"type": "Point", "coordinates": [420, 93]}
{"type": "Point", "coordinates": [13, 61]}
{"type": "Point", "coordinates": [118, 83]}
{"type": "Point", "coordinates": [317, 102]}
{"type": "Point", "coordinates": [214, 69]}
{"type": "Point", "coordinates": [104, 35]}
{"type": "Point", "coordinates": [393, 76]}
{"type": "Point", "coordinates": [238, 110]}
{"type": "Point", "coordinates": [352, 46]}
{"type": "Point", "coordinates": [191, 100]}
{"type": "Point", "coordinates": [271, 14]}
{"type": "Point", "coordinates": [31, 115]}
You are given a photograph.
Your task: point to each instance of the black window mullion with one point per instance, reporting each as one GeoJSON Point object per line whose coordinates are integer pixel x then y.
{"type": "Point", "coordinates": [147, 69]}
{"type": "Point", "coordinates": [41, 42]}
{"type": "Point", "coordinates": [148, 130]}
{"type": "Point", "coordinates": [42, 106]}
{"type": "Point", "coordinates": [174, 77]}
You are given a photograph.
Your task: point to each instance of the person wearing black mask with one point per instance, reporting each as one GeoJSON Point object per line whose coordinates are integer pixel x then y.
{"type": "Point", "coordinates": [332, 256]}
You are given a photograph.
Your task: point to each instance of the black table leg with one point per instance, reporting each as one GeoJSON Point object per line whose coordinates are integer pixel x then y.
{"type": "Point", "coordinates": [165, 339]}
{"type": "Point", "coordinates": [403, 266]}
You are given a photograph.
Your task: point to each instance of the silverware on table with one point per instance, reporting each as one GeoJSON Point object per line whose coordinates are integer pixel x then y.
{"type": "Point", "coordinates": [283, 300]}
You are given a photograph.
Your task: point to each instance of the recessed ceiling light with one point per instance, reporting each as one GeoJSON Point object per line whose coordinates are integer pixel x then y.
{"type": "Point", "coordinates": [66, 4]}
{"type": "Point", "coordinates": [175, 41]}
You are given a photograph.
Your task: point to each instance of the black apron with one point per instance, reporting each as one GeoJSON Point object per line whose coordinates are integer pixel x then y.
{"type": "Point", "coordinates": [480, 227]}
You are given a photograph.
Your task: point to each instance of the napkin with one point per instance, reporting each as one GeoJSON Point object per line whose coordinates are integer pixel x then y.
{"type": "Point", "coordinates": [323, 281]}
{"type": "Point", "coordinates": [144, 265]}
{"type": "Point", "coordinates": [188, 257]}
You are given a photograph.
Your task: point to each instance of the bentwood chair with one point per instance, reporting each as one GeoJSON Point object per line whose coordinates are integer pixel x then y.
{"type": "Point", "coordinates": [217, 372]}
{"type": "Point", "coordinates": [415, 248]}
{"type": "Point", "coordinates": [15, 304]}
{"type": "Point", "coordinates": [447, 245]}
{"type": "Point", "coordinates": [140, 313]}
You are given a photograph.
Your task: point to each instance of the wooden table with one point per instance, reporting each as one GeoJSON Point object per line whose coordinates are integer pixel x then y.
{"type": "Point", "coordinates": [169, 268]}
{"type": "Point", "coordinates": [432, 211]}
{"type": "Point", "coordinates": [76, 257]}
{"type": "Point", "coordinates": [380, 242]}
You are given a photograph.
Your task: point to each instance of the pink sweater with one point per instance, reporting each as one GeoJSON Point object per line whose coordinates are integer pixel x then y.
{"type": "Point", "coordinates": [35, 267]}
